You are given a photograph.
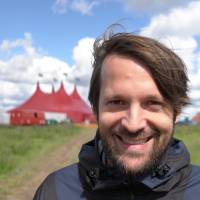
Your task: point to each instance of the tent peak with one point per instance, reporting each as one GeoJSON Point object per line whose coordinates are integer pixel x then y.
{"type": "Point", "coordinates": [62, 89]}
{"type": "Point", "coordinates": [38, 88]}
{"type": "Point", "coordinates": [52, 89]}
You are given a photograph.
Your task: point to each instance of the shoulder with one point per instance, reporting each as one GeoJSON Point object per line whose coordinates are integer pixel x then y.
{"type": "Point", "coordinates": [195, 176]}
{"type": "Point", "coordinates": [61, 184]}
{"type": "Point", "coordinates": [46, 190]}
{"type": "Point", "coordinates": [66, 174]}
{"type": "Point", "coordinates": [193, 185]}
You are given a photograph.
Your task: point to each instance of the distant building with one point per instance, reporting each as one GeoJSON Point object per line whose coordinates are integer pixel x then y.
{"type": "Point", "coordinates": [184, 121]}
{"type": "Point", "coordinates": [196, 118]}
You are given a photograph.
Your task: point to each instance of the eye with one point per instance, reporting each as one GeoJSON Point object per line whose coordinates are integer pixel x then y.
{"type": "Point", "coordinates": [116, 102]}
{"type": "Point", "coordinates": [154, 102]}
{"type": "Point", "coordinates": [154, 105]}
{"type": "Point", "coordinates": [114, 105]}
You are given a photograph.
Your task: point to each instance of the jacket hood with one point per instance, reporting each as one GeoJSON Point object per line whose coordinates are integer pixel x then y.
{"type": "Point", "coordinates": [97, 175]}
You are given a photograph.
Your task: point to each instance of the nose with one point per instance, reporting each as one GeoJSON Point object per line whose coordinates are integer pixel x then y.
{"type": "Point", "coordinates": [134, 120]}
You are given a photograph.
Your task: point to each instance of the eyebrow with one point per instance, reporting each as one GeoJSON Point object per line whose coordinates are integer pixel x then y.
{"type": "Point", "coordinates": [154, 97]}
{"type": "Point", "coordinates": [113, 97]}
{"type": "Point", "coordinates": [146, 96]}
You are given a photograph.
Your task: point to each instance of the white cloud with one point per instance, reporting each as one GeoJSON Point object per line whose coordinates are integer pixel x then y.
{"type": "Point", "coordinates": [12, 93]}
{"type": "Point", "coordinates": [82, 6]}
{"type": "Point", "coordinates": [180, 21]}
{"type": "Point", "coordinates": [60, 6]}
{"type": "Point", "coordinates": [50, 68]}
{"type": "Point", "coordinates": [195, 95]}
{"type": "Point", "coordinates": [82, 55]}
{"type": "Point", "coordinates": [85, 7]}
{"type": "Point", "coordinates": [151, 5]}
{"type": "Point", "coordinates": [25, 44]}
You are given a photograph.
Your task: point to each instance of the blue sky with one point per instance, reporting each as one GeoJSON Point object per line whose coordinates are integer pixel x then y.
{"type": "Point", "coordinates": [57, 31]}
{"type": "Point", "coordinates": [53, 37]}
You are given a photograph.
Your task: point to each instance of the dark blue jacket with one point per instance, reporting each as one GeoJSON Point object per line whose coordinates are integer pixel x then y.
{"type": "Point", "coordinates": [174, 179]}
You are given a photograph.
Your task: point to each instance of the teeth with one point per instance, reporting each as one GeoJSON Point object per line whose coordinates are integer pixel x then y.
{"type": "Point", "coordinates": [133, 142]}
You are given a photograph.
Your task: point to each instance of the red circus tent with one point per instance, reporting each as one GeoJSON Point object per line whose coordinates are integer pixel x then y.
{"type": "Point", "coordinates": [78, 104]}
{"type": "Point", "coordinates": [33, 110]}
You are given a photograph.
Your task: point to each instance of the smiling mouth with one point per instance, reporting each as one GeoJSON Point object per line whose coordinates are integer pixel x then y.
{"type": "Point", "coordinates": [133, 141]}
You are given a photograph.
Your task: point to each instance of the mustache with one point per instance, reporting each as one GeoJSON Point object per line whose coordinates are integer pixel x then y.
{"type": "Point", "coordinates": [139, 134]}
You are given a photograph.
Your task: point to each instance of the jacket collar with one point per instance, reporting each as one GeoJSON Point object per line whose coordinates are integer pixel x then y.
{"type": "Point", "coordinates": [99, 175]}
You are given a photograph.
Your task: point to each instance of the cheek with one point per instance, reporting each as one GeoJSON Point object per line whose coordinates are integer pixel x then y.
{"type": "Point", "coordinates": [108, 120]}
{"type": "Point", "coordinates": [162, 121]}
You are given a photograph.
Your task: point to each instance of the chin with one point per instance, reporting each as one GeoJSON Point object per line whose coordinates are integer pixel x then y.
{"type": "Point", "coordinates": [135, 166]}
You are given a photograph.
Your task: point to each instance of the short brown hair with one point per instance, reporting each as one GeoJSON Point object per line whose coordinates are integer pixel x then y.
{"type": "Point", "coordinates": [167, 69]}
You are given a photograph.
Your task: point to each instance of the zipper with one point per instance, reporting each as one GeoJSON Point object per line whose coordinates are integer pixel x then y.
{"type": "Point", "coordinates": [132, 196]}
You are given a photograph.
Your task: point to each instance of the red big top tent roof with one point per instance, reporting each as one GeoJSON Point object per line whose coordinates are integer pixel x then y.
{"type": "Point", "coordinates": [60, 102]}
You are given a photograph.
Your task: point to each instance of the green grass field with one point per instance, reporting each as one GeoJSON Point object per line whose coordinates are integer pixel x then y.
{"type": "Point", "coordinates": [191, 137]}
{"type": "Point", "coordinates": [20, 145]}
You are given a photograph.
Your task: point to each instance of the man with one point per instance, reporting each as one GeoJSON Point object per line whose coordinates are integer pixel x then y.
{"type": "Point", "coordinates": [137, 90]}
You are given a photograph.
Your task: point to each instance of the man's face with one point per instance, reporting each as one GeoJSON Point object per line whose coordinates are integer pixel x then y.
{"type": "Point", "coordinates": [135, 121]}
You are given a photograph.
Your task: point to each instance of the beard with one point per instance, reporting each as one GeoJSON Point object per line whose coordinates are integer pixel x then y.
{"type": "Point", "coordinates": [123, 159]}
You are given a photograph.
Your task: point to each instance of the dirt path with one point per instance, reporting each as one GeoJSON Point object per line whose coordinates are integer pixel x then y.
{"type": "Point", "coordinates": [59, 158]}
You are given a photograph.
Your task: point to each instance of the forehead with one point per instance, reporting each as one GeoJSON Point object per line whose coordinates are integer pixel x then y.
{"type": "Point", "coordinates": [128, 74]}
{"type": "Point", "coordinates": [115, 65]}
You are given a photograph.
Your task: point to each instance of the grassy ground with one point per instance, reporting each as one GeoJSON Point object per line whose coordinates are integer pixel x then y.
{"type": "Point", "coordinates": [49, 148]}
{"type": "Point", "coordinates": [20, 145]}
{"type": "Point", "coordinates": [191, 137]}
